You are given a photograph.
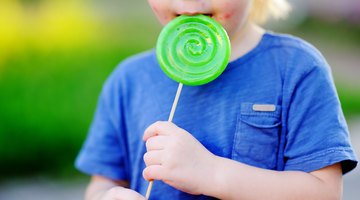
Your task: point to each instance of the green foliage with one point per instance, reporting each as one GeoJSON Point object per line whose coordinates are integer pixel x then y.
{"type": "Point", "coordinates": [350, 100]}
{"type": "Point", "coordinates": [340, 32]}
{"type": "Point", "coordinates": [53, 63]}
{"type": "Point", "coordinates": [30, 1]}
{"type": "Point", "coordinates": [47, 103]}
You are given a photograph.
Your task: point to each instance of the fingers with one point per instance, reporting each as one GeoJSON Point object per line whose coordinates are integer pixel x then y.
{"type": "Point", "coordinates": [156, 137]}
{"type": "Point", "coordinates": [155, 143]}
{"type": "Point", "coordinates": [154, 172]}
{"type": "Point", "coordinates": [160, 128]}
{"type": "Point", "coordinates": [153, 157]}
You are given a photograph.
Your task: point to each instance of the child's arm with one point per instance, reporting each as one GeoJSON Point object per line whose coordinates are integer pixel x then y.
{"type": "Point", "coordinates": [236, 180]}
{"type": "Point", "coordinates": [178, 159]}
{"type": "Point", "coordinates": [102, 188]}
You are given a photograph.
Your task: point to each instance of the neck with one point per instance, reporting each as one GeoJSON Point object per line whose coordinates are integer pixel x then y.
{"type": "Point", "coordinates": [245, 40]}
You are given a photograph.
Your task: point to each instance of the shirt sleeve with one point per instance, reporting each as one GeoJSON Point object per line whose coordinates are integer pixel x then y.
{"type": "Point", "coordinates": [317, 134]}
{"type": "Point", "coordinates": [103, 152]}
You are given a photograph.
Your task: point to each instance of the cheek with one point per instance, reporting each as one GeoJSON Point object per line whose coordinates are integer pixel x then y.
{"type": "Point", "coordinates": [162, 16]}
{"type": "Point", "coordinates": [227, 16]}
{"type": "Point", "coordinates": [233, 10]}
{"type": "Point", "coordinates": [236, 12]}
{"type": "Point", "coordinates": [202, 4]}
{"type": "Point", "coordinates": [155, 9]}
{"type": "Point", "coordinates": [226, 11]}
{"type": "Point", "coordinates": [161, 10]}
{"type": "Point", "coordinates": [233, 18]}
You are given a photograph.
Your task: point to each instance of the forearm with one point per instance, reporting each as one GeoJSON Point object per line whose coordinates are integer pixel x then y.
{"type": "Point", "coordinates": [234, 180]}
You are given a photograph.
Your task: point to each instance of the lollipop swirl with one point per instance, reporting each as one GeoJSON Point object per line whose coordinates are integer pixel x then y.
{"type": "Point", "coordinates": [193, 50]}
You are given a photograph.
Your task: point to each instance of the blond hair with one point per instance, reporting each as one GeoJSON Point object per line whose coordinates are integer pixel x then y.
{"type": "Point", "coordinates": [262, 10]}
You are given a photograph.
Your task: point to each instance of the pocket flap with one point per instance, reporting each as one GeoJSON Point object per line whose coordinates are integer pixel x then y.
{"type": "Point", "coordinates": [266, 118]}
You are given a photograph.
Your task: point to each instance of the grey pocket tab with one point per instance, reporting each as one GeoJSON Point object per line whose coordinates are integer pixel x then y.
{"type": "Point", "coordinates": [264, 107]}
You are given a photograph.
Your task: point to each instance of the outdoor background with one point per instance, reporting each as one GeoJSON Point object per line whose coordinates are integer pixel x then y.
{"type": "Point", "coordinates": [56, 54]}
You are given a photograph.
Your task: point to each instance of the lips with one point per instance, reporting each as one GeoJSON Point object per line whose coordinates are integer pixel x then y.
{"type": "Point", "coordinates": [195, 13]}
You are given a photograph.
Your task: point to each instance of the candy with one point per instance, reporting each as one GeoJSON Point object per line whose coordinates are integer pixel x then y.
{"type": "Point", "coordinates": [193, 50]}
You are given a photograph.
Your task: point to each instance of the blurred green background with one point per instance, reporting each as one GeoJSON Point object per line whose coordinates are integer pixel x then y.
{"type": "Point", "coordinates": [56, 54]}
{"type": "Point", "coordinates": [54, 58]}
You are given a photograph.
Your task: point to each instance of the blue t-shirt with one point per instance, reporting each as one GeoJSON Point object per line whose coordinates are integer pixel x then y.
{"type": "Point", "coordinates": [275, 108]}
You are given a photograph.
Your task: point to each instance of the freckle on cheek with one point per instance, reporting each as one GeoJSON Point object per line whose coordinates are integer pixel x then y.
{"type": "Point", "coordinates": [227, 16]}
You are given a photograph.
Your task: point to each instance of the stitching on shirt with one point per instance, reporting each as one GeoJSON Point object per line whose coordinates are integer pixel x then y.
{"type": "Point", "coordinates": [259, 53]}
{"type": "Point", "coordinates": [237, 128]}
{"type": "Point", "coordinates": [261, 114]}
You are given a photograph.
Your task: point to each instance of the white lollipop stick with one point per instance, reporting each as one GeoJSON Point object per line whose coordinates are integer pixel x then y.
{"type": "Point", "coordinates": [171, 116]}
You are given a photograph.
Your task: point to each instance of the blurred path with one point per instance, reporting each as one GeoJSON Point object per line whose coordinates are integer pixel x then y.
{"type": "Point", "coordinates": [352, 180]}
{"type": "Point", "coordinates": [40, 189]}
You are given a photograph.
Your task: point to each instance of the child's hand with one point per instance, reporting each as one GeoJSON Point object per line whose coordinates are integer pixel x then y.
{"type": "Point", "coordinates": [121, 193]}
{"type": "Point", "coordinates": [177, 158]}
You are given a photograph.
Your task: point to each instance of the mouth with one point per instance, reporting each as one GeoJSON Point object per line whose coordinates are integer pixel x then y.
{"type": "Point", "coordinates": [191, 14]}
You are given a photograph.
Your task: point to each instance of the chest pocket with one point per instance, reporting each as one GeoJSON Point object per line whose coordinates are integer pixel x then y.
{"type": "Point", "coordinates": [256, 139]}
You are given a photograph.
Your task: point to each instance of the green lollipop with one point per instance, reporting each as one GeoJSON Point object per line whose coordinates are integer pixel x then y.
{"type": "Point", "coordinates": [193, 50]}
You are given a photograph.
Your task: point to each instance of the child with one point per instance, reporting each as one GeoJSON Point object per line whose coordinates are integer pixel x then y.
{"type": "Point", "coordinates": [270, 127]}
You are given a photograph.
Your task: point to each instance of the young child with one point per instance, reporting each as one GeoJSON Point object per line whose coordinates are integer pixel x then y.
{"type": "Point", "coordinates": [270, 127]}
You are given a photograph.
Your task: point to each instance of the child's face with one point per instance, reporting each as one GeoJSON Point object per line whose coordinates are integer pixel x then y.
{"type": "Point", "coordinates": [231, 14]}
